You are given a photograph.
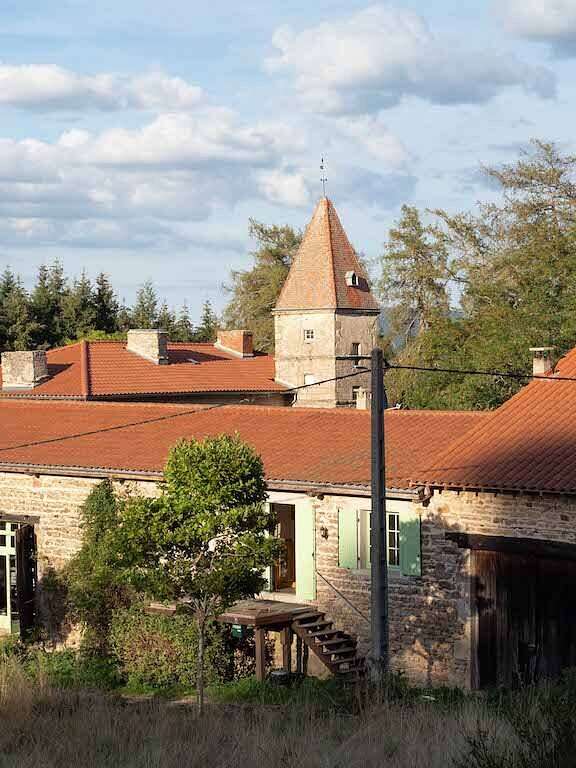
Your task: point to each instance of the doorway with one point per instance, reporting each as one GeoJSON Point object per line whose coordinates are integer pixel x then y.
{"type": "Point", "coordinates": [284, 573]}
{"type": "Point", "coordinates": [17, 578]}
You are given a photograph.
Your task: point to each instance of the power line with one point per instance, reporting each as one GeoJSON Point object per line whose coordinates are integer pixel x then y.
{"type": "Point", "coordinates": [474, 372]}
{"type": "Point", "coordinates": [188, 412]}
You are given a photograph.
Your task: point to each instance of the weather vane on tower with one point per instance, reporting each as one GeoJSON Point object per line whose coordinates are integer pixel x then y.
{"type": "Point", "coordinates": [323, 178]}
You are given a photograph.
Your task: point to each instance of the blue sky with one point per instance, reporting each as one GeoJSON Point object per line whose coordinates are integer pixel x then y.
{"type": "Point", "coordinates": [137, 137]}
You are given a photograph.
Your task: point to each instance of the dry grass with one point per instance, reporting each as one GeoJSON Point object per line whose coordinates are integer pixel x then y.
{"type": "Point", "coordinates": [40, 726]}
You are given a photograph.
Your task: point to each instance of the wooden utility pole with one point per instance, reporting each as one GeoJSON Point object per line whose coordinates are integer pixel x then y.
{"type": "Point", "coordinates": [378, 559]}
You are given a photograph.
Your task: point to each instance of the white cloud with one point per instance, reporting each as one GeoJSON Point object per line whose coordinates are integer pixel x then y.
{"type": "Point", "coordinates": [371, 132]}
{"type": "Point", "coordinates": [46, 87]}
{"type": "Point", "coordinates": [284, 188]}
{"type": "Point", "coordinates": [141, 185]}
{"type": "Point", "coordinates": [550, 21]}
{"type": "Point", "coordinates": [372, 59]}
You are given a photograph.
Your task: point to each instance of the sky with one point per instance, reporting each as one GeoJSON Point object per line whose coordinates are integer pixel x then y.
{"type": "Point", "coordinates": [138, 137]}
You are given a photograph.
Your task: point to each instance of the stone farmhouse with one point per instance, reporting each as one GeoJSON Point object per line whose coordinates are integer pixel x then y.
{"type": "Point", "coordinates": [481, 510]}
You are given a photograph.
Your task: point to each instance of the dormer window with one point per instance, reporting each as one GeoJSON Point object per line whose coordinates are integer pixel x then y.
{"type": "Point", "coordinates": [308, 334]}
{"type": "Point", "coordinates": [352, 279]}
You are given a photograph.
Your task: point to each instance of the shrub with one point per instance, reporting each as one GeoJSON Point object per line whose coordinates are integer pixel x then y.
{"type": "Point", "coordinates": [161, 651]}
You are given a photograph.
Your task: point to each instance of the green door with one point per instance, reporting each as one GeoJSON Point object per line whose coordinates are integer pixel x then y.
{"type": "Point", "coordinates": [305, 536]}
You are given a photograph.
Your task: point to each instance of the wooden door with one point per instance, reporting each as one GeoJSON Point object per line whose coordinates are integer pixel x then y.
{"type": "Point", "coordinates": [285, 568]}
{"type": "Point", "coordinates": [526, 617]}
{"type": "Point", "coordinates": [26, 578]}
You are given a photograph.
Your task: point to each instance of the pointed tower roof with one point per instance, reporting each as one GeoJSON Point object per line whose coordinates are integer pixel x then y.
{"type": "Point", "coordinates": [320, 275]}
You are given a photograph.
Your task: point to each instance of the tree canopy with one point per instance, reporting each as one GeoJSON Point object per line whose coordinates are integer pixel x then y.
{"type": "Point", "coordinates": [59, 310]}
{"type": "Point", "coordinates": [511, 268]}
{"type": "Point", "coordinates": [254, 291]}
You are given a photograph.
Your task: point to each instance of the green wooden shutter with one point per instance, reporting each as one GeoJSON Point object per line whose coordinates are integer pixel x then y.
{"type": "Point", "coordinates": [347, 538]}
{"type": "Point", "coordinates": [410, 547]}
{"type": "Point", "coordinates": [305, 534]}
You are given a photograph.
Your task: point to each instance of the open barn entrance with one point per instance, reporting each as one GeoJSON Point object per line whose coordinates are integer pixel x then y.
{"type": "Point", "coordinates": [526, 606]}
{"type": "Point", "coordinates": [17, 577]}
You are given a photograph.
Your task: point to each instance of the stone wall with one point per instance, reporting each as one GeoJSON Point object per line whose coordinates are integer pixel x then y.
{"type": "Point", "coordinates": [432, 617]}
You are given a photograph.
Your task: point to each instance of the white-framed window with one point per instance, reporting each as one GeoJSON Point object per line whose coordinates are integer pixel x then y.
{"type": "Point", "coordinates": [352, 279]}
{"type": "Point", "coordinates": [354, 539]}
{"type": "Point", "coordinates": [308, 334]}
{"type": "Point", "coordinates": [355, 394]}
{"type": "Point", "coordinates": [309, 378]}
{"type": "Point", "coordinates": [393, 531]}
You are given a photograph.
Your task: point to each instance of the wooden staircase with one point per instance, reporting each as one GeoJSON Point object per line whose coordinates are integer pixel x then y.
{"type": "Point", "coordinates": [336, 649]}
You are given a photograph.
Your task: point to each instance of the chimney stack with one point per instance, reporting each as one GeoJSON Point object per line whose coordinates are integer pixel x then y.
{"type": "Point", "coordinates": [239, 343]}
{"type": "Point", "coordinates": [149, 343]}
{"type": "Point", "coordinates": [363, 399]}
{"type": "Point", "coordinates": [23, 370]}
{"type": "Point", "coordinates": [542, 360]}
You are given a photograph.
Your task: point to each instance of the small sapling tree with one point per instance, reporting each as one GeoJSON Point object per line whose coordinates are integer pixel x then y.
{"type": "Point", "coordinates": [205, 542]}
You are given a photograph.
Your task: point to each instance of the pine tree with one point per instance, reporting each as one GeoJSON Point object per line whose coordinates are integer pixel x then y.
{"type": "Point", "coordinates": [79, 311]}
{"type": "Point", "coordinates": [46, 306]}
{"type": "Point", "coordinates": [19, 326]}
{"type": "Point", "coordinates": [145, 311]}
{"type": "Point", "coordinates": [254, 292]}
{"type": "Point", "coordinates": [166, 320]}
{"type": "Point", "coordinates": [183, 327]}
{"type": "Point", "coordinates": [105, 305]}
{"type": "Point", "coordinates": [208, 328]}
{"type": "Point", "coordinates": [414, 275]}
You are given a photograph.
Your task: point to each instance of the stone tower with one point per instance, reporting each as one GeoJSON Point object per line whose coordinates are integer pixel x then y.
{"type": "Point", "coordinates": [325, 313]}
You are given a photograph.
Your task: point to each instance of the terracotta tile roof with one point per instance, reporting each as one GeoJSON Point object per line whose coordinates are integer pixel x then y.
{"type": "Point", "coordinates": [100, 369]}
{"type": "Point", "coordinates": [528, 444]}
{"type": "Point", "coordinates": [297, 444]}
{"type": "Point", "coordinates": [317, 278]}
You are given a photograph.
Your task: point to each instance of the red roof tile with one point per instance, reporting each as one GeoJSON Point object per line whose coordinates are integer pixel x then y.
{"type": "Point", "coordinates": [528, 444]}
{"type": "Point", "coordinates": [297, 444]}
{"type": "Point", "coordinates": [105, 369]}
{"type": "Point", "coordinates": [317, 277]}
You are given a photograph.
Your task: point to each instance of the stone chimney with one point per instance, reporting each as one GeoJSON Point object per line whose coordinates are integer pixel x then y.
{"type": "Point", "coordinates": [23, 370]}
{"type": "Point", "coordinates": [542, 360]}
{"type": "Point", "coordinates": [149, 343]}
{"type": "Point", "coordinates": [239, 343]}
{"type": "Point", "coordinates": [363, 399]}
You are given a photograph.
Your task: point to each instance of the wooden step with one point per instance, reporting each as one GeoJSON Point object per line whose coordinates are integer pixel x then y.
{"type": "Point", "coordinates": [313, 624]}
{"type": "Point", "coordinates": [339, 641]}
{"type": "Point", "coordinates": [309, 615]}
{"type": "Point", "coordinates": [325, 633]}
{"type": "Point", "coordinates": [347, 653]}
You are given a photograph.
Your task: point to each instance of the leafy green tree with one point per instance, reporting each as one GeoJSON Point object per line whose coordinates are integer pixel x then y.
{"type": "Point", "coordinates": [94, 574]}
{"type": "Point", "coordinates": [512, 265]}
{"type": "Point", "coordinates": [208, 328]}
{"type": "Point", "coordinates": [254, 291]}
{"type": "Point", "coordinates": [106, 305]}
{"type": "Point", "coordinates": [205, 540]}
{"type": "Point", "coordinates": [145, 311]}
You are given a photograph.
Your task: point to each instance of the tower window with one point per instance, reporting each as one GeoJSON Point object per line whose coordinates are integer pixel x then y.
{"type": "Point", "coordinates": [308, 334]}
{"type": "Point", "coordinates": [356, 352]}
{"type": "Point", "coordinates": [352, 279]}
{"type": "Point", "coordinates": [309, 378]}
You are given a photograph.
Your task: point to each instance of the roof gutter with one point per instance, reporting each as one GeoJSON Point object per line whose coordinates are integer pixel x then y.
{"type": "Point", "coordinates": [298, 486]}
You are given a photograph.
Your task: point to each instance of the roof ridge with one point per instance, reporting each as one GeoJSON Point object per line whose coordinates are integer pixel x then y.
{"type": "Point", "coordinates": [331, 246]}
{"type": "Point", "coordinates": [84, 368]}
